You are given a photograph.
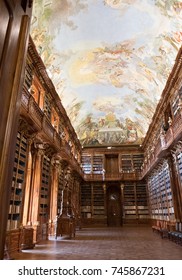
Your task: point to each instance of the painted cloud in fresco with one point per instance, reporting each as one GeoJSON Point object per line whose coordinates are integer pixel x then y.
{"type": "Point", "coordinates": [109, 61]}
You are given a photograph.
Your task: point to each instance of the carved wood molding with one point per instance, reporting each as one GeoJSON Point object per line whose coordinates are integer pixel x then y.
{"type": "Point", "coordinates": [177, 148]}
{"type": "Point", "coordinates": [25, 128]}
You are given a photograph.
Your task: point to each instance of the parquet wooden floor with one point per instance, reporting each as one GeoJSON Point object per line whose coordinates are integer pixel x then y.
{"type": "Point", "coordinates": [107, 243]}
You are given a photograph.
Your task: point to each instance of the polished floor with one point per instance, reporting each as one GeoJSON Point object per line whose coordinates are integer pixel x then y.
{"type": "Point", "coordinates": [120, 243]}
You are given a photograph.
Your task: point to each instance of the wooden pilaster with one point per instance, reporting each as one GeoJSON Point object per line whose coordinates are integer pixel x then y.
{"type": "Point", "coordinates": [26, 207]}
{"type": "Point", "coordinates": [14, 34]}
{"type": "Point", "coordinates": [54, 195]}
{"type": "Point", "coordinates": [36, 184]}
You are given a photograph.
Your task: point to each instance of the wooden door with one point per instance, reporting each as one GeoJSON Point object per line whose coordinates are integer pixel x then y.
{"type": "Point", "coordinates": [111, 165]}
{"type": "Point", "coordinates": [114, 212]}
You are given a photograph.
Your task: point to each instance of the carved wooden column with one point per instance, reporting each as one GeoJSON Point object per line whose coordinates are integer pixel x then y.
{"type": "Point", "coordinates": [66, 221]}
{"type": "Point", "coordinates": [162, 138]}
{"type": "Point", "coordinates": [36, 185]}
{"type": "Point", "coordinates": [54, 195]}
{"type": "Point", "coordinates": [26, 207]}
{"type": "Point", "coordinates": [67, 207]}
{"type": "Point", "coordinates": [75, 200]}
{"type": "Point", "coordinates": [62, 166]}
{"type": "Point", "coordinates": [71, 194]}
{"type": "Point", "coordinates": [65, 191]}
{"type": "Point", "coordinates": [26, 241]}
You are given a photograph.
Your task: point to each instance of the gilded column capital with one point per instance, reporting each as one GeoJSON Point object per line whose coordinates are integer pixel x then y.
{"type": "Point", "coordinates": [55, 162]}
{"type": "Point", "coordinates": [104, 187]}
{"type": "Point", "coordinates": [122, 186]}
{"type": "Point", "coordinates": [40, 148]}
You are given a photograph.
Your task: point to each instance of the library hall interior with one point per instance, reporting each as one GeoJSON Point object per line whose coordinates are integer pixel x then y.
{"type": "Point", "coordinates": [91, 130]}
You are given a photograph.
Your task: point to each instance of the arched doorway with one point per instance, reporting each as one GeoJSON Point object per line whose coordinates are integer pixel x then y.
{"type": "Point", "coordinates": [114, 209]}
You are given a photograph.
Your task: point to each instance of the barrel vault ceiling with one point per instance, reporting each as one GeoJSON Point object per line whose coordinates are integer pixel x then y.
{"type": "Point", "coordinates": [109, 61]}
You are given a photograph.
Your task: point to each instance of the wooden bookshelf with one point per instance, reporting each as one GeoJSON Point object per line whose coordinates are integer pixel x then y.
{"type": "Point", "coordinates": [179, 164]}
{"type": "Point", "coordinates": [135, 202]}
{"type": "Point", "coordinates": [160, 194]}
{"type": "Point", "coordinates": [86, 163]}
{"type": "Point", "coordinates": [44, 191]}
{"type": "Point", "coordinates": [86, 201]}
{"type": "Point", "coordinates": [28, 74]}
{"type": "Point", "coordinates": [98, 202]}
{"type": "Point", "coordinates": [153, 196]}
{"type": "Point", "coordinates": [92, 204]}
{"type": "Point", "coordinates": [126, 163]}
{"type": "Point", "coordinates": [137, 161]}
{"type": "Point", "coordinates": [17, 190]}
{"type": "Point", "coordinates": [142, 201]}
{"type": "Point", "coordinates": [13, 240]}
{"type": "Point", "coordinates": [130, 212]}
{"type": "Point", "coordinates": [131, 162]}
{"type": "Point", "coordinates": [98, 164]}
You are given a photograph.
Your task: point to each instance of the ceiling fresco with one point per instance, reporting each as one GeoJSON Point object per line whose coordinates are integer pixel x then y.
{"type": "Point", "coordinates": [109, 61]}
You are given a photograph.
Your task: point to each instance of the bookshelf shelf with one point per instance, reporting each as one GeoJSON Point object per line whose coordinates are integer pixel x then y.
{"type": "Point", "coordinates": [92, 201]}
{"type": "Point", "coordinates": [98, 201]}
{"type": "Point", "coordinates": [135, 201]}
{"type": "Point", "coordinates": [160, 194]}
{"type": "Point", "coordinates": [17, 189]}
{"type": "Point", "coordinates": [86, 163]}
{"type": "Point", "coordinates": [98, 165]}
{"type": "Point", "coordinates": [126, 164]}
{"type": "Point", "coordinates": [44, 191]}
{"type": "Point", "coordinates": [86, 201]}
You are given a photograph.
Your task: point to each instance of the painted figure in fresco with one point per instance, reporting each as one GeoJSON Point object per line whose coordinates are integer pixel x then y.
{"type": "Point", "coordinates": [129, 64]}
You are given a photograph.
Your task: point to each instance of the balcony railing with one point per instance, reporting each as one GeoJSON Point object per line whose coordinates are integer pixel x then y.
{"type": "Point", "coordinates": [130, 176]}
{"type": "Point", "coordinates": [43, 124]}
{"type": "Point", "coordinates": [164, 143]}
